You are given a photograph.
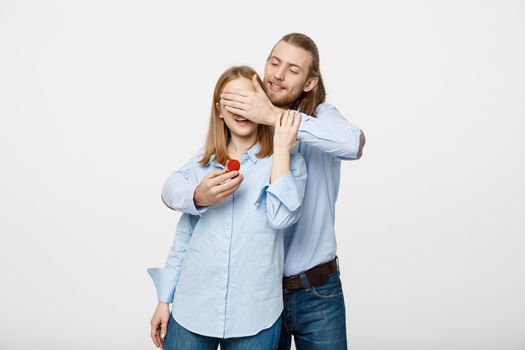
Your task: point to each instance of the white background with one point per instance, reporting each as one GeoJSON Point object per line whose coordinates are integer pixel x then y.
{"type": "Point", "coordinates": [101, 100]}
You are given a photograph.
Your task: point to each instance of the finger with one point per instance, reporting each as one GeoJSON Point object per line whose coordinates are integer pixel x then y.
{"type": "Point", "coordinates": [236, 91]}
{"type": "Point", "coordinates": [290, 120]}
{"type": "Point", "coordinates": [278, 120]}
{"type": "Point", "coordinates": [155, 336]}
{"type": "Point", "coordinates": [159, 339]}
{"type": "Point", "coordinates": [233, 104]}
{"type": "Point", "coordinates": [287, 118]}
{"type": "Point", "coordinates": [237, 111]}
{"type": "Point", "coordinates": [297, 121]}
{"type": "Point", "coordinates": [223, 177]}
{"type": "Point", "coordinates": [163, 330]}
{"type": "Point", "coordinates": [216, 173]}
{"type": "Point", "coordinates": [256, 85]}
{"type": "Point", "coordinates": [229, 185]}
{"type": "Point", "coordinates": [228, 193]}
{"type": "Point", "coordinates": [295, 116]}
{"type": "Point", "coordinates": [234, 97]}
{"type": "Point", "coordinates": [225, 195]}
{"type": "Point", "coordinates": [282, 121]}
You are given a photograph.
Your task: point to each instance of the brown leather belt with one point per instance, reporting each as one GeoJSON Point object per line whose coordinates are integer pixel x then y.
{"type": "Point", "coordinates": [316, 276]}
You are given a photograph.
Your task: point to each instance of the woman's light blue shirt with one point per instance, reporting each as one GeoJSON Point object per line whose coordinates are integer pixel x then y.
{"type": "Point", "coordinates": [224, 270]}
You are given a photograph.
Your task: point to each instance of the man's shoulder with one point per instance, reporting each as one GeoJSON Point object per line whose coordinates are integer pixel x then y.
{"type": "Point", "coordinates": [194, 162]}
{"type": "Point", "coordinates": [325, 108]}
{"type": "Point", "coordinates": [199, 153]}
{"type": "Point", "coordinates": [197, 156]}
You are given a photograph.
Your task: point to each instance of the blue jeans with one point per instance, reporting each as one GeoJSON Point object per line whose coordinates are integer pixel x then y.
{"type": "Point", "coordinates": [179, 338]}
{"type": "Point", "coordinates": [315, 316]}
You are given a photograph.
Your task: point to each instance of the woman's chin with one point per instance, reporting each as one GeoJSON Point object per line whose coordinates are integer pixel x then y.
{"type": "Point", "coordinates": [243, 133]}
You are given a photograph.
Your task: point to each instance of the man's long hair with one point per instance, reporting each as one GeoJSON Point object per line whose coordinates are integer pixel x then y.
{"type": "Point", "coordinates": [308, 101]}
{"type": "Point", "coordinates": [218, 133]}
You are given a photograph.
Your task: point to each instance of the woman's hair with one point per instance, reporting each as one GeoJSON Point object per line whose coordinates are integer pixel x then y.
{"type": "Point", "coordinates": [308, 101]}
{"type": "Point", "coordinates": [218, 133]}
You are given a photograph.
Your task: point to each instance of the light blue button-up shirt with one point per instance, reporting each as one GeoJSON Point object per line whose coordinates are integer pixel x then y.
{"type": "Point", "coordinates": [224, 271]}
{"type": "Point", "coordinates": [325, 141]}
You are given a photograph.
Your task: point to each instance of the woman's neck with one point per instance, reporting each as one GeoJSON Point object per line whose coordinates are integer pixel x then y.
{"type": "Point", "coordinates": [238, 145]}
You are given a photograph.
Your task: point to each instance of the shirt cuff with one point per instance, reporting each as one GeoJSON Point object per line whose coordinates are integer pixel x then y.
{"type": "Point", "coordinates": [192, 209]}
{"type": "Point", "coordinates": [165, 281]}
{"type": "Point", "coordinates": [305, 119]}
{"type": "Point", "coordinates": [285, 189]}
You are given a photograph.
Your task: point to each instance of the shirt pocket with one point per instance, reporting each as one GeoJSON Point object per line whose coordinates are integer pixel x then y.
{"type": "Point", "coordinates": [256, 221]}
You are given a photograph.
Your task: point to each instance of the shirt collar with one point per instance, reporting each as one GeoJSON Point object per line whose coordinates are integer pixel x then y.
{"type": "Point", "coordinates": [247, 155]}
{"type": "Point", "coordinates": [252, 152]}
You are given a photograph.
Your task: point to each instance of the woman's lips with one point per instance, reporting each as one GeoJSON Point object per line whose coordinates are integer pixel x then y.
{"type": "Point", "coordinates": [242, 121]}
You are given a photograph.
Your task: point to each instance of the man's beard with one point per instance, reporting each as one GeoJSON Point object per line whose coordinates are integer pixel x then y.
{"type": "Point", "coordinates": [285, 102]}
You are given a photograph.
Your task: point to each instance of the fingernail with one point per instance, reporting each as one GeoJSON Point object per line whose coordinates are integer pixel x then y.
{"type": "Point", "coordinates": [162, 335]}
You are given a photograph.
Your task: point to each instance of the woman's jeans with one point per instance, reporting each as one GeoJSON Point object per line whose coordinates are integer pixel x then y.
{"type": "Point", "coordinates": [179, 338]}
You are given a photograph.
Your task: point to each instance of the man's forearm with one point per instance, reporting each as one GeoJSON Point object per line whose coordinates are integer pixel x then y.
{"type": "Point", "coordinates": [331, 133]}
{"type": "Point", "coordinates": [178, 193]}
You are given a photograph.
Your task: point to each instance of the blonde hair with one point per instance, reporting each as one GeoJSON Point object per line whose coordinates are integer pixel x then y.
{"type": "Point", "coordinates": [218, 133]}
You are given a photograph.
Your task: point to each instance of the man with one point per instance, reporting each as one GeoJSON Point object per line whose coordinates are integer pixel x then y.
{"type": "Point", "coordinates": [314, 311]}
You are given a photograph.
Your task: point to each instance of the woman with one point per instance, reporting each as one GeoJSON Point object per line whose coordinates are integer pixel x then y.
{"type": "Point", "coordinates": [224, 271]}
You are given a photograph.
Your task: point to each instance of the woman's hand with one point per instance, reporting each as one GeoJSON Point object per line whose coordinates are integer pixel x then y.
{"type": "Point", "coordinates": [216, 187]}
{"type": "Point", "coordinates": [159, 324]}
{"type": "Point", "coordinates": [285, 136]}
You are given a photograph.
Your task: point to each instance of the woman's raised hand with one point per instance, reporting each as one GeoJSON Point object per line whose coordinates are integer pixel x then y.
{"type": "Point", "coordinates": [285, 136]}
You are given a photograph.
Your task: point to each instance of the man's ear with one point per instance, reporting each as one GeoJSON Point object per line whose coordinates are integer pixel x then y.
{"type": "Point", "coordinates": [310, 84]}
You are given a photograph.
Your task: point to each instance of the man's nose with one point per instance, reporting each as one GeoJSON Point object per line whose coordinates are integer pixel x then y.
{"type": "Point", "coordinates": [279, 73]}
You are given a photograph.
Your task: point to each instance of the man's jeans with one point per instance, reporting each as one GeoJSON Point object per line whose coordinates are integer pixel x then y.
{"type": "Point", "coordinates": [179, 338]}
{"type": "Point", "coordinates": [315, 316]}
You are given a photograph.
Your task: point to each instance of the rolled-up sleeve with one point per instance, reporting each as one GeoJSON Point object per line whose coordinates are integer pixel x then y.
{"type": "Point", "coordinates": [330, 132]}
{"type": "Point", "coordinates": [178, 189]}
{"type": "Point", "coordinates": [284, 197]}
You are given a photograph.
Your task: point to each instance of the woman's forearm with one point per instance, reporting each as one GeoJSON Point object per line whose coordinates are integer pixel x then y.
{"type": "Point", "coordinates": [280, 163]}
